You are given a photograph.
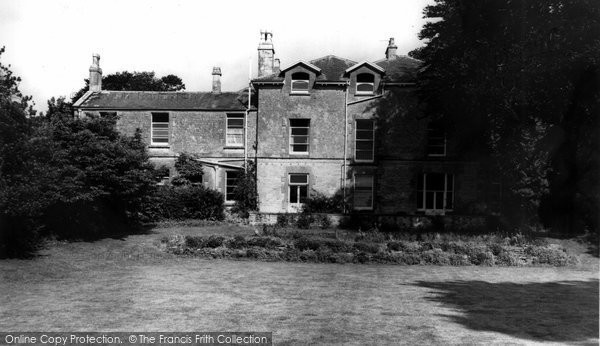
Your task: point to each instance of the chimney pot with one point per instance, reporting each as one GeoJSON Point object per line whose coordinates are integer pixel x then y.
{"type": "Point", "coordinates": [390, 51]}
{"type": "Point", "coordinates": [216, 84]}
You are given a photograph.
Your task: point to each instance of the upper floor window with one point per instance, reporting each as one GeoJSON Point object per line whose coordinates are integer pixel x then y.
{"type": "Point", "coordinates": [160, 128]}
{"type": "Point", "coordinates": [365, 140]}
{"type": "Point", "coordinates": [298, 188]}
{"type": "Point", "coordinates": [231, 181]}
{"type": "Point", "coordinates": [363, 191]}
{"type": "Point", "coordinates": [300, 81]}
{"type": "Point", "coordinates": [365, 83]}
{"type": "Point", "coordinates": [299, 136]}
{"type": "Point", "coordinates": [235, 130]}
{"type": "Point", "coordinates": [435, 192]}
{"type": "Point", "coordinates": [436, 140]}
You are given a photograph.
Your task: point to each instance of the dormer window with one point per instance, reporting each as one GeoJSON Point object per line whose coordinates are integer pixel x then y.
{"type": "Point", "coordinates": [365, 84]}
{"type": "Point", "coordinates": [300, 81]}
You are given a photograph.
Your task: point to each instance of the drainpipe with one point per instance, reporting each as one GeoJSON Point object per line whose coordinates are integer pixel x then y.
{"type": "Point", "coordinates": [247, 116]}
{"type": "Point", "coordinates": [345, 143]}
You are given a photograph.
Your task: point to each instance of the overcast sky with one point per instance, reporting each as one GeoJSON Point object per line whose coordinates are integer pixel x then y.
{"type": "Point", "coordinates": [50, 43]}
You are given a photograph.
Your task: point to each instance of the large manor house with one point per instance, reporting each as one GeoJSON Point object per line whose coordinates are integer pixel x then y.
{"type": "Point", "coordinates": [323, 126]}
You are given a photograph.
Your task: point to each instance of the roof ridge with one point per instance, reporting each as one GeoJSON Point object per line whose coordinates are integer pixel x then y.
{"type": "Point", "coordinates": [398, 56]}
{"type": "Point", "coordinates": [333, 56]}
{"type": "Point", "coordinates": [170, 92]}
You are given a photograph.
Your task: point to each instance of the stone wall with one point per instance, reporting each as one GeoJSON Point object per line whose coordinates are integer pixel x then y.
{"type": "Point", "coordinates": [272, 177]}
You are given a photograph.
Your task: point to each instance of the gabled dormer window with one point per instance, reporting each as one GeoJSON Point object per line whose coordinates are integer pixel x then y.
{"type": "Point", "coordinates": [365, 84]}
{"type": "Point", "coordinates": [300, 81]}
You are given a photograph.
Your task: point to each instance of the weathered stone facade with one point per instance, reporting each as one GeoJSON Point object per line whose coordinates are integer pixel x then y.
{"type": "Point", "coordinates": [395, 163]}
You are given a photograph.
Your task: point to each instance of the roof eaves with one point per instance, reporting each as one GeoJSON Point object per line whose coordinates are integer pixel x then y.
{"type": "Point", "coordinates": [82, 99]}
{"type": "Point", "coordinates": [307, 64]}
{"type": "Point", "coordinates": [375, 67]}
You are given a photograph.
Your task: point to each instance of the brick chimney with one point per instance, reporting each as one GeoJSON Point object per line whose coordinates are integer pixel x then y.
{"type": "Point", "coordinates": [95, 74]}
{"type": "Point", "coordinates": [390, 51]}
{"type": "Point", "coordinates": [216, 84]}
{"type": "Point", "coordinates": [266, 54]}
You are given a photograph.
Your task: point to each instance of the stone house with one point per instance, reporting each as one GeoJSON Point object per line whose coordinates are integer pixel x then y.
{"type": "Point", "coordinates": [328, 125]}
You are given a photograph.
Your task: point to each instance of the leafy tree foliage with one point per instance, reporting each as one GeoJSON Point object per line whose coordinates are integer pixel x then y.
{"type": "Point", "coordinates": [136, 81]}
{"type": "Point", "coordinates": [245, 193]}
{"type": "Point", "coordinates": [189, 170]}
{"type": "Point", "coordinates": [517, 83]}
{"type": "Point", "coordinates": [74, 178]}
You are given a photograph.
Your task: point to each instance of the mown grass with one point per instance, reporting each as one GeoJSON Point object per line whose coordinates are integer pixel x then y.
{"type": "Point", "coordinates": [130, 285]}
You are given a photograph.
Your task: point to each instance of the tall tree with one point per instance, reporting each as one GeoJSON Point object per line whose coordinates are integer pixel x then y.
{"type": "Point", "coordinates": [507, 76]}
{"type": "Point", "coordinates": [136, 81]}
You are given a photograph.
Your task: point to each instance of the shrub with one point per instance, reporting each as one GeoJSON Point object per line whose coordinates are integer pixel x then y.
{"type": "Point", "coordinates": [238, 242]}
{"type": "Point", "coordinates": [496, 249]}
{"type": "Point", "coordinates": [318, 202]}
{"type": "Point", "coordinates": [189, 169]}
{"type": "Point", "coordinates": [185, 202]}
{"type": "Point", "coordinates": [408, 258]}
{"type": "Point", "coordinates": [245, 193]}
{"type": "Point", "coordinates": [483, 258]}
{"type": "Point", "coordinates": [194, 242]}
{"type": "Point", "coordinates": [304, 220]}
{"type": "Point", "coordinates": [436, 256]}
{"type": "Point", "coordinates": [283, 220]}
{"type": "Point", "coordinates": [544, 255]}
{"type": "Point", "coordinates": [366, 247]}
{"type": "Point", "coordinates": [458, 260]}
{"type": "Point", "coordinates": [265, 242]}
{"type": "Point", "coordinates": [337, 245]}
{"type": "Point", "coordinates": [214, 241]}
{"type": "Point", "coordinates": [362, 257]}
{"type": "Point", "coordinates": [305, 243]}
{"type": "Point", "coordinates": [394, 246]}
{"type": "Point", "coordinates": [373, 236]}
{"type": "Point", "coordinates": [506, 258]}
{"type": "Point", "coordinates": [256, 252]}
{"type": "Point", "coordinates": [324, 222]}
{"type": "Point", "coordinates": [308, 256]}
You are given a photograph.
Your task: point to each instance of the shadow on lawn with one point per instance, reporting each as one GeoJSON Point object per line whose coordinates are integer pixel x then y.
{"type": "Point", "coordinates": [549, 311]}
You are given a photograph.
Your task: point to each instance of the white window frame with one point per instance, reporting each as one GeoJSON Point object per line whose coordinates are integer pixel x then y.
{"type": "Point", "coordinates": [430, 129]}
{"type": "Point", "coordinates": [372, 84]}
{"type": "Point", "coordinates": [424, 191]}
{"type": "Point", "coordinates": [227, 184]}
{"type": "Point", "coordinates": [297, 187]}
{"type": "Point", "coordinates": [356, 140]}
{"type": "Point", "coordinates": [152, 128]}
{"type": "Point", "coordinates": [291, 137]}
{"type": "Point", "coordinates": [300, 91]}
{"type": "Point", "coordinates": [372, 192]}
{"type": "Point", "coordinates": [227, 129]}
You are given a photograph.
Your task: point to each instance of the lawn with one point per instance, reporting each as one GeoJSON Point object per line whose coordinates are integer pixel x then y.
{"type": "Point", "coordinates": [129, 285]}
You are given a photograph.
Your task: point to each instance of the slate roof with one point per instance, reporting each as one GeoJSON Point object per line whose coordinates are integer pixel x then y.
{"type": "Point", "coordinates": [159, 100]}
{"type": "Point", "coordinates": [401, 69]}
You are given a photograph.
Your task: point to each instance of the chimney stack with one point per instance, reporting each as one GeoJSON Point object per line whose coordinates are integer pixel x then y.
{"type": "Point", "coordinates": [266, 54]}
{"type": "Point", "coordinates": [216, 84]}
{"type": "Point", "coordinates": [95, 74]}
{"type": "Point", "coordinates": [390, 51]}
{"type": "Point", "coordinates": [276, 66]}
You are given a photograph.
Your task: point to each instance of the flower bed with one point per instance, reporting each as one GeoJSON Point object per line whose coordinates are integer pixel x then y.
{"type": "Point", "coordinates": [374, 247]}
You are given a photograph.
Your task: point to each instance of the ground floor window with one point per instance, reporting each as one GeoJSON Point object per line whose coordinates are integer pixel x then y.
{"type": "Point", "coordinates": [231, 181]}
{"type": "Point", "coordinates": [435, 191]}
{"type": "Point", "coordinates": [298, 188]}
{"type": "Point", "coordinates": [363, 191]}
